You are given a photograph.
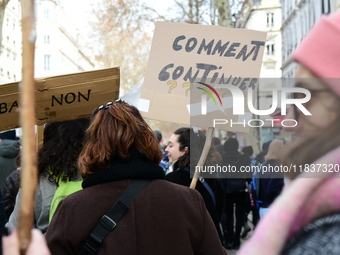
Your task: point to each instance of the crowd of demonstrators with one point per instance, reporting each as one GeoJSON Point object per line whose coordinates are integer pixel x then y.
{"type": "Point", "coordinates": [305, 218]}
{"type": "Point", "coordinates": [120, 147]}
{"type": "Point", "coordinates": [270, 182]}
{"type": "Point", "coordinates": [244, 194]}
{"type": "Point", "coordinates": [56, 160]}
{"type": "Point", "coordinates": [164, 218]}
{"type": "Point", "coordinates": [184, 149]}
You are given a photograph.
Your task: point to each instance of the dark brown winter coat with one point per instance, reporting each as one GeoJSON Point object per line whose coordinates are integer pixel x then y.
{"type": "Point", "coordinates": [165, 218]}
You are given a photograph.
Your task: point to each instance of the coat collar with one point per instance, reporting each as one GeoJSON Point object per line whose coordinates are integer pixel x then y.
{"type": "Point", "coordinates": [137, 167]}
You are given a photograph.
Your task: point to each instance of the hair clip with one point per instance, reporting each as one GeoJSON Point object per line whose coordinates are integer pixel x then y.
{"type": "Point", "coordinates": [106, 106]}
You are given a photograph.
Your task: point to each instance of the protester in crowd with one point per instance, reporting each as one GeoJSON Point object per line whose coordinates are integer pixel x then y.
{"type": "Point", "coordinates": [184, 149]}
{"type": "Point", "coordinates": [249, 151]}
{"type": "Point", "coordinates": [9, 150]}
{"type": "Point", "coordinates": [38, 246]}
{"type": "Point", "coordinates": [251, 201]}
{"type": "Point", "coordinates": [305, 218]}
{"type": "Point", "coordinates": [236, 192]}
{"type": "Point", "coordinates": [165, 159]}
{"type": "Point", "coordinates": [11, 188]}
{"type": "Point", "coordinates": [56, 159]}
{"type": "Point", "coordinates": [215, 141]}
{"type": "Point", "coordinates": [270, 182]}
{"type": "Point", "coordinates": [164, 218]}
{"type": "Point", "coordinates": [260, 157]}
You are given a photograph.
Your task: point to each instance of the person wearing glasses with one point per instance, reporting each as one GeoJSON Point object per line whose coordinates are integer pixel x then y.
{"type": "Point", "coordinates": [305, 218]}
{"type": "Point", "coordinates": [164, 218]}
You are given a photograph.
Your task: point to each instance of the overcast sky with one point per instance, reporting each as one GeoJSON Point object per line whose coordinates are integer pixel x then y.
{"type": "Point", "coordinates": [78, 10]}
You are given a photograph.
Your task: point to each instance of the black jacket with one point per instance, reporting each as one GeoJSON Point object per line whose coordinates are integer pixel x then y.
{"type": "Point", "coordinates": [9, 191]}
{"type": "Point", "coordinates": [271, 185]}
{"type": "Point", "coordinates": [182, 177]}
{"type": "Point", "coordinates": [236, 182]}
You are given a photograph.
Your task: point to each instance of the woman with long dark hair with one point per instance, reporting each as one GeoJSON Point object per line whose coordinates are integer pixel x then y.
{"type": "Point", "coordinates": [57, 159]}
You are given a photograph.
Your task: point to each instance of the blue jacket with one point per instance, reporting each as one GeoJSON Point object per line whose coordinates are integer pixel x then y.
{"type": "Point", "coordinates": [271, 185]}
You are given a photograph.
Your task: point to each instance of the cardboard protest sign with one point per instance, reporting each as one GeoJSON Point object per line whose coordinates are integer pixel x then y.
{"type": "Point", "coordinates": [63, 97]}
{"type": "Point", "coordinates": [9, 95]}
{"type": "Point", "coordinates": [184, 57]}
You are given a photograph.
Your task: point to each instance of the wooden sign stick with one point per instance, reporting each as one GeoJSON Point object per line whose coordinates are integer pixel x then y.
{"type": "Point", "coordinates": [206, 148]}
{"type": "Point", "coordinates": [27, 121]}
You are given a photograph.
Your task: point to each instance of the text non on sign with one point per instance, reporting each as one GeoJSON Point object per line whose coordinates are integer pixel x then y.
{"type": "Point", "coordinates": [70, 97]}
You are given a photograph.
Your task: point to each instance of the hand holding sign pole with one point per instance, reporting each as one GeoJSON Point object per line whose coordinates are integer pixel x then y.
{"type": "Point", "coordinates": [27, 120]}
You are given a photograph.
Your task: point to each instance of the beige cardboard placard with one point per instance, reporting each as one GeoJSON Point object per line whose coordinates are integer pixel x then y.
{"type": "Point", "coordinates": [183, 55]}
{"type": "Point", "coordinates": [63, 97]}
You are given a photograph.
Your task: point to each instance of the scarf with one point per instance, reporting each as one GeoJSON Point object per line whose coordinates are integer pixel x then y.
{"type": "Point", "coordinates": [137, 167]}
{"type": "Point", "coordinates": [303, 200]}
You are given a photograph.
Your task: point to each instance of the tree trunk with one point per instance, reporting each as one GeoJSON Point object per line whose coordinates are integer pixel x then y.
{"type": "Point", "coordinates": [224, 13]}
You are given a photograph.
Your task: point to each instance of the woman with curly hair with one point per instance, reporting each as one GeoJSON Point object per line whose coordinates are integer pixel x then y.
{"type": "Point", "coordinates": [57, 159]}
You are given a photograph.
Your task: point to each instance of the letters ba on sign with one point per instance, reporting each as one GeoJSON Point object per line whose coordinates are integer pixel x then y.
{"type": "Point", "coordinates": [64, 97]}
{"type": "Point", "coordinates": [185, 56]}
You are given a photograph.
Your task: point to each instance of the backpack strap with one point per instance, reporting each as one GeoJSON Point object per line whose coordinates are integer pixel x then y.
{"type": "Point", "coordinates": [109, 221]}
{"type": "Point", "coordinates": [207, 187]}
{"type": "Point", "coordinates": [205, 184]}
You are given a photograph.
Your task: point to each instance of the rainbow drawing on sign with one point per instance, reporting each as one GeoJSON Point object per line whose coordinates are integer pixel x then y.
{"type": "Point", "coordinates": [209, 93]}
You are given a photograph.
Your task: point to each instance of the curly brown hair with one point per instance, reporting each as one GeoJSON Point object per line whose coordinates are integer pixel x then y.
{"type": "Point", "coordinates": [115, 129]}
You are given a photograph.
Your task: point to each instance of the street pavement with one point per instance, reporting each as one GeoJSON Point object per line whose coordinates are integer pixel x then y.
{"type": "Point", "coordinates": [243, 240]}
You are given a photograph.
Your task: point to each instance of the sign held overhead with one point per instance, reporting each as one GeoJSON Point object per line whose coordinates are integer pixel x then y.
{"type": "Point", "coordinates": [185, 57]}
{"type": "Point", "coordinates": [63, 97]}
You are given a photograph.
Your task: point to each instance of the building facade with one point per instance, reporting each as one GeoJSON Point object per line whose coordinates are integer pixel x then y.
{"type": "Point", "coordinates": [10, 46]}
{"type": "Point", "coordinates": [298, 17]}
{"type": "Point", "coordinates": [60, 48]}
{"type": "Point", "coordinates": [265, 15]}
{"type": "Point", "coordinates": [336, 5]}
